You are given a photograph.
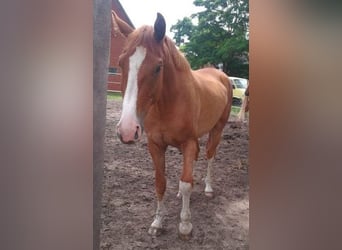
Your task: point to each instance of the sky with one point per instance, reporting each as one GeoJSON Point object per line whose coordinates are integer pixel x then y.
{"type": "Point", "coordinates": [143, 12]}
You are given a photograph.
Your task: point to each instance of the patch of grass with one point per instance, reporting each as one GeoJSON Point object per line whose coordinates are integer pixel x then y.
{"type": "Point", "coordinates": [114, 95]}
{"type": "Point", "coordinates": [117, 96]}
{"type": "Point", "coordinates": [235, 110]}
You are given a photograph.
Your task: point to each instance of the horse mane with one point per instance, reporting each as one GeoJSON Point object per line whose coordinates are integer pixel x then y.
{"type": "Point", "coordinates": [176, 56]}
{"type": "Point", "coordinates": [169, 52]}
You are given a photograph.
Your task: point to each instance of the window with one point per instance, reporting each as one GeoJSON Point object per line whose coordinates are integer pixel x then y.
{"type": "Point", "coordinates": [113, 71]}
{"type": "Point", "coordinates": [239, 84]}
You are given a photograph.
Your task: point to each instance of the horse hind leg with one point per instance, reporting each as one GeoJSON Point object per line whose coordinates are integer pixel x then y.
{"type": "Point", "coordinates": [208, 191]}
{"type": "Point", "coordinates": [210, 154]}
{"type": "Point", "coordinates": [213, 141]}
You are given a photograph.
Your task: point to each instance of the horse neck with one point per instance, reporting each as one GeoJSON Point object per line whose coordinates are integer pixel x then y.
{"type": "Point", "coordinates": [177, 79]}
{"type": "Point", "coordinates": [177, 84]}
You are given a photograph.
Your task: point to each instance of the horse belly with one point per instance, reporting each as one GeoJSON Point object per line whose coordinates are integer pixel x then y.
{"type": "Point", "coordinates": [213, 104]}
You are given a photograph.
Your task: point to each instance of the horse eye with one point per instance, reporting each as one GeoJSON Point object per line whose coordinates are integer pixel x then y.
{"type": "Point", "coordinates": [158, 68]}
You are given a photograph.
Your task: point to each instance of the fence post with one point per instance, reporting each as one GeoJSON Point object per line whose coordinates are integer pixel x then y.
{"type": "Point", "coordinates": [101, 50]}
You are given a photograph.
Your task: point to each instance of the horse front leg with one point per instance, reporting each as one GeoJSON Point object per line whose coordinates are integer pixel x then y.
{"type": "Point", "coordinates": [190, 154]}
{"type": "Point", "coordinates": [158, 157]}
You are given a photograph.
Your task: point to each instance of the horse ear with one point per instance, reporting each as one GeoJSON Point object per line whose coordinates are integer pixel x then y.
{"type": "Point", "coordinates": [159, 27]}
{"type": "Point", "coordinates": [124, 28]}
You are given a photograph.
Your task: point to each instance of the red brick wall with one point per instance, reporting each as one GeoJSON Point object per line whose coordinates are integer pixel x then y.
{"type": "Point", "coordinates": [114, 81]}
{"type": "Point", "coordinates": [117, 42]}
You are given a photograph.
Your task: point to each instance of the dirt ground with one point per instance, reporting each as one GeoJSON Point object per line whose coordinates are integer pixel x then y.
{"type": "Point", "coordinates": [129, 202]}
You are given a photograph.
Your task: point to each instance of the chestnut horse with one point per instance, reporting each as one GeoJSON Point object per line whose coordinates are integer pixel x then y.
{"type": "Point", "coordinates": [173, 104]}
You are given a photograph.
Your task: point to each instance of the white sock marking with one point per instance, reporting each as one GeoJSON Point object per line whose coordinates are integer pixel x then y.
{"type": "Point", "coordinates": [207, 180]}
{"type": "Point", "coordinates": [158, 220]}
{"type": "Point", "coordinates": [185, 226]}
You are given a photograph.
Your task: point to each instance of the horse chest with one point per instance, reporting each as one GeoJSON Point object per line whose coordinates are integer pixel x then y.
{"type": "Point", "coordinates": [172, 133]}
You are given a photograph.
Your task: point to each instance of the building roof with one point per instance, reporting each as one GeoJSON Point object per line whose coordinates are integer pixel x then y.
{"type": "Point", "coordinates": [119, 10]}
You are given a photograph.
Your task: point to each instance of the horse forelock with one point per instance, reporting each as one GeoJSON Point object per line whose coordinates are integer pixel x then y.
{"type": "Point", "coordinates": [144, 37]}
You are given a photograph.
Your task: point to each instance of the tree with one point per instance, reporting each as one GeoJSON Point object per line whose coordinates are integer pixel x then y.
{"type": "Point", "coordinates": [219, 37]}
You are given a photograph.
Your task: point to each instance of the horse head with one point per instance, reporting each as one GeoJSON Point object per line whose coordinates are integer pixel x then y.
{"type": "Point", "coordinates": [141, 64]}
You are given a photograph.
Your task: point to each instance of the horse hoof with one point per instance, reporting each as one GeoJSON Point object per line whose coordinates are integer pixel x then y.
{"type": "Point", "coordinates": [185, 231]}
{"type": "Point", "coordinates": [154, 231]}
{"type": "Point", "coordinates": [209, 194]}
{"type": "Point", "coordinates": [185, 236]}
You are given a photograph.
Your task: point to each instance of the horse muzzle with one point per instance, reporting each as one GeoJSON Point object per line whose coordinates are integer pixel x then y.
{"type": "Point", "coordinates": [129, 133]}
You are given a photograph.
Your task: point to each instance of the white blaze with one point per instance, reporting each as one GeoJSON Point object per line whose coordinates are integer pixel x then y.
{"type": "Point", "coordinates": [131, 93]}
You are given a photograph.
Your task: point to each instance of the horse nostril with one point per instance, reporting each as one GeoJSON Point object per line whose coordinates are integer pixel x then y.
{"type": "Point", "coordinates": [136, 135]}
